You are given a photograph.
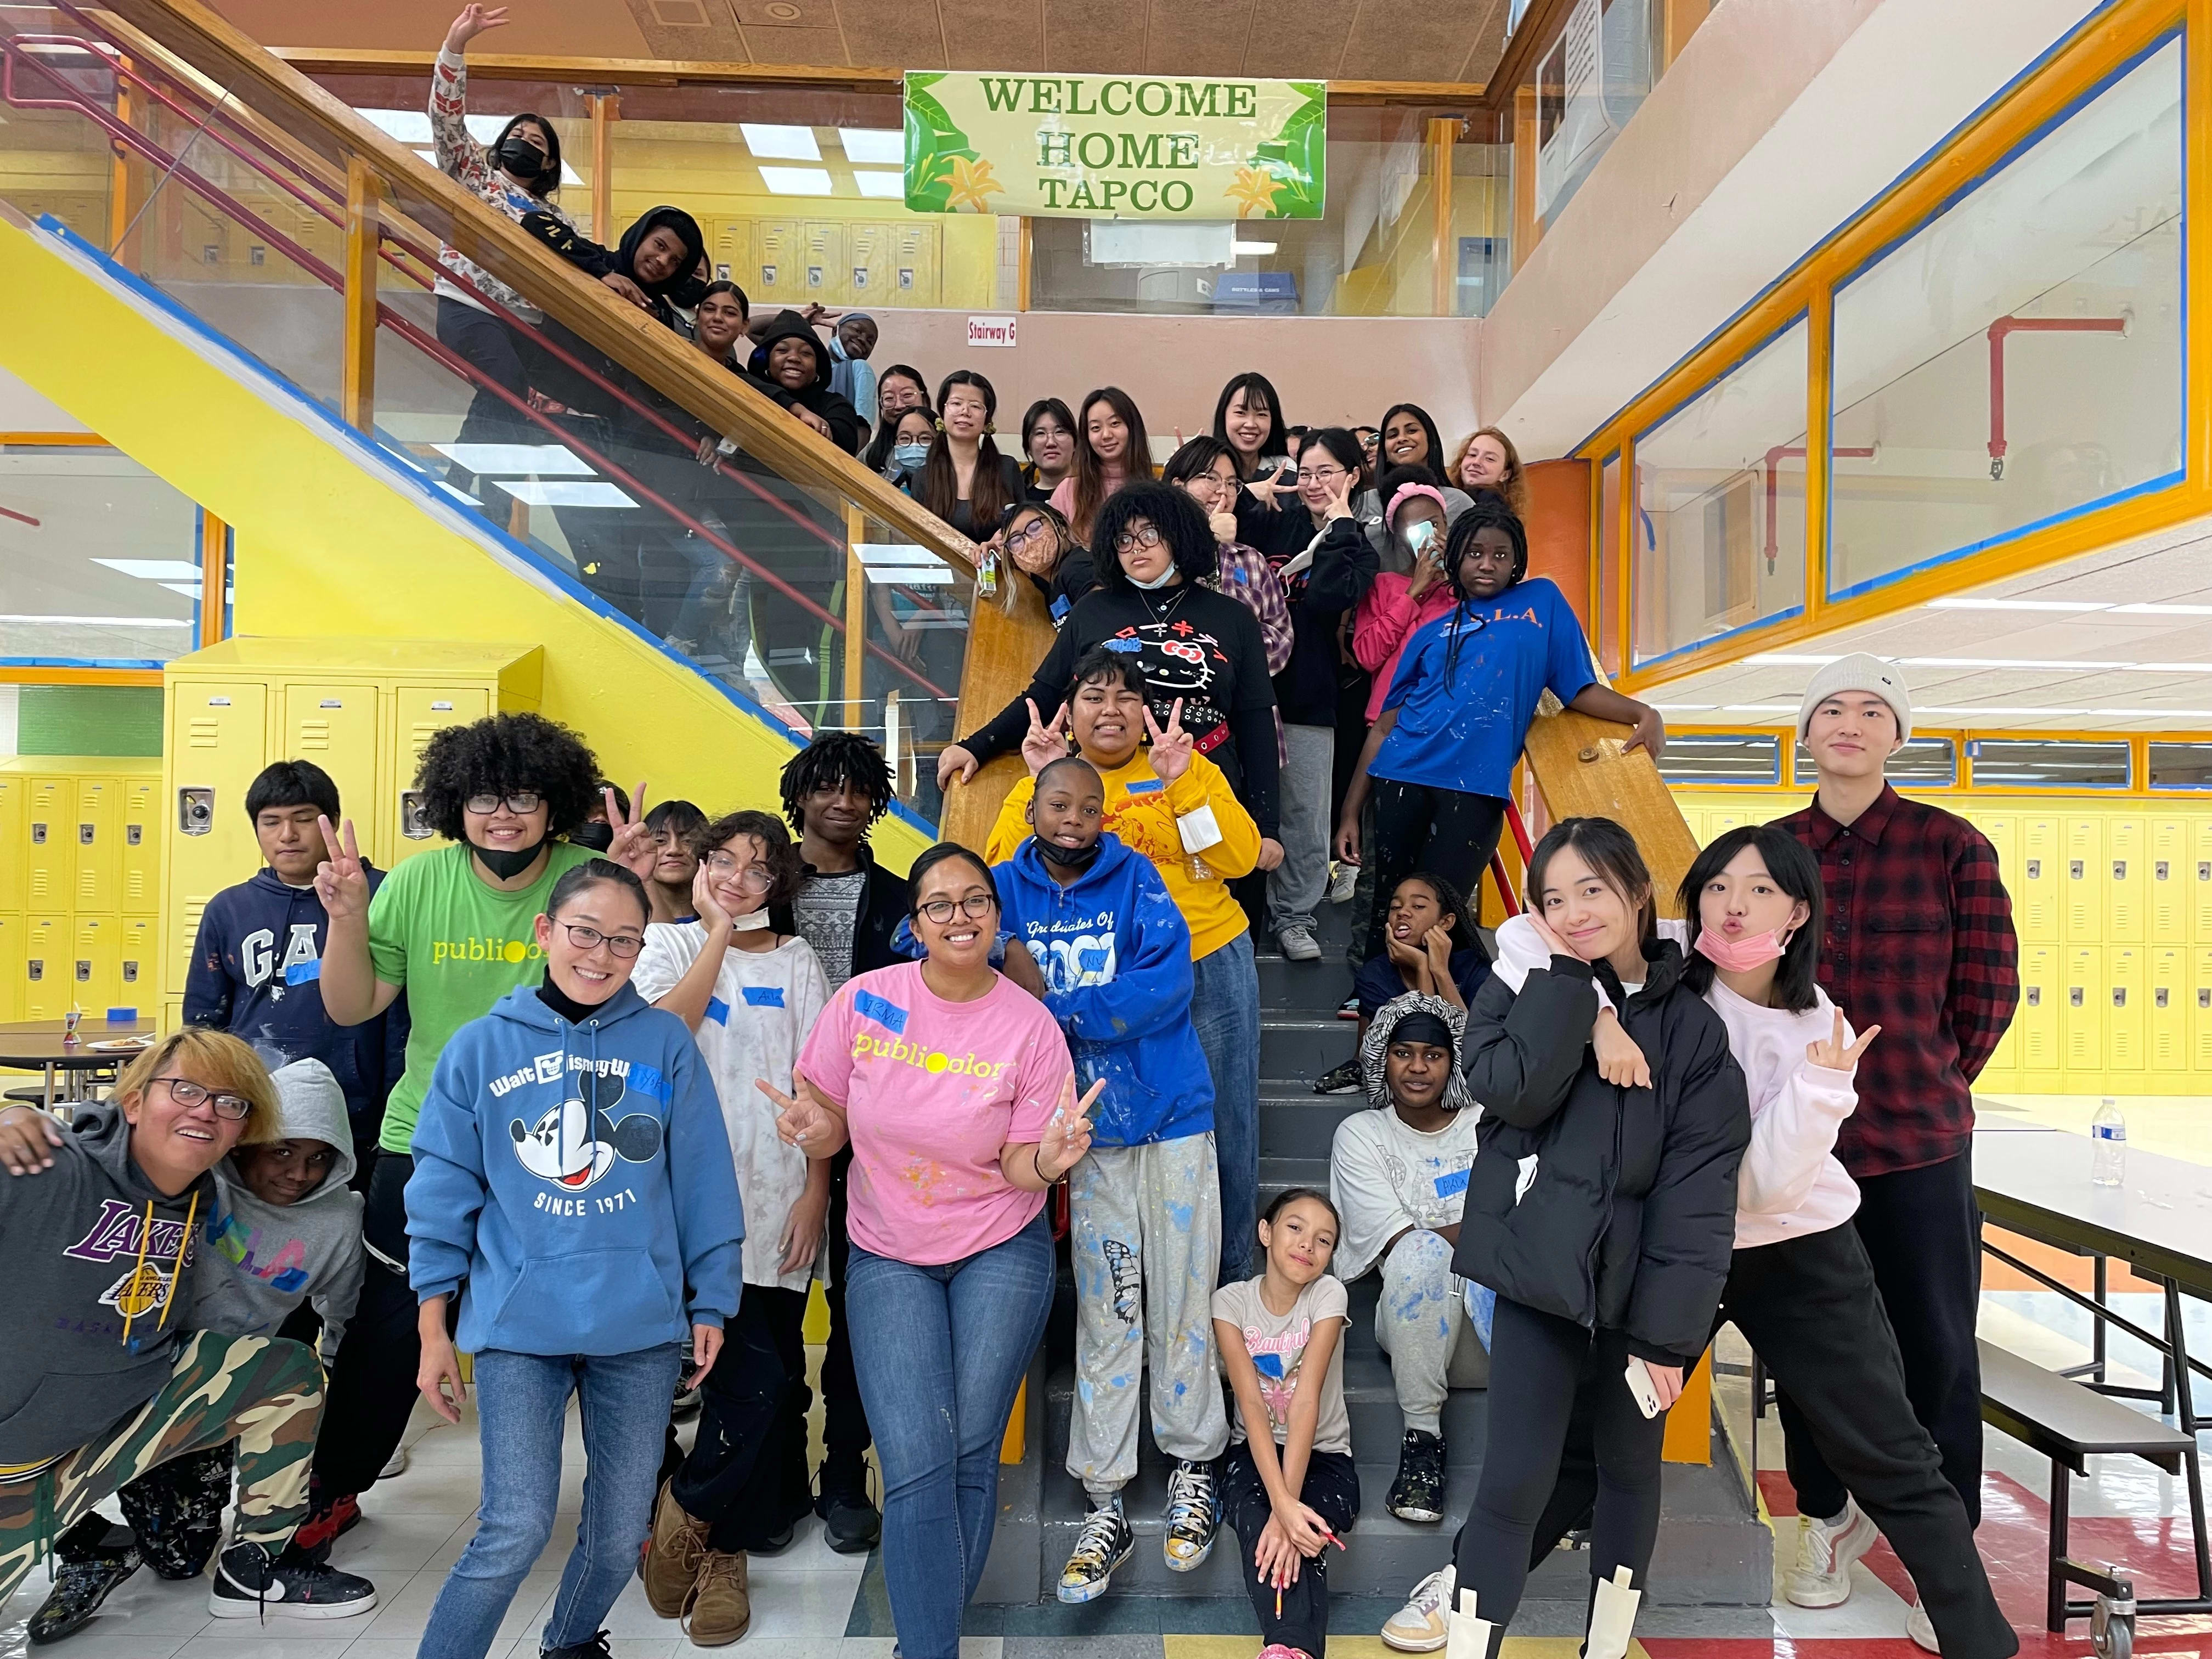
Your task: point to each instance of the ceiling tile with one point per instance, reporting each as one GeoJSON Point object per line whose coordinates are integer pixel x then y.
{"type": "Point", "coordinates": [900, 33]}
{"type": "Point", "coordinates": [1387, 36]}
{"type": "Point", "coordinates": [1185, 39]}
{"type": "Point", "coordinates": [1093, 37]}
{"type": "Point", "coordinates": [823, 45]}
{"type": "Point", "coordinates": [1298, 40]}
{"type": "Point", "coordinates": [992, 34]}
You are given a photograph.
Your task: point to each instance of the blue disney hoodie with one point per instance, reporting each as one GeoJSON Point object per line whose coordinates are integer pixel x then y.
{"type": "Point", "coordinates": [1115, 953]}
{"type": "Point", "coordinates": [578, 1178]}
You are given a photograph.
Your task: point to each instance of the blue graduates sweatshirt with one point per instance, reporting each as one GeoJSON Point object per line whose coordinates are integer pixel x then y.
{"type": "Point", "coordinates": [578, 1178]}
{"type": "Point", "coordinates": [1115, 953]}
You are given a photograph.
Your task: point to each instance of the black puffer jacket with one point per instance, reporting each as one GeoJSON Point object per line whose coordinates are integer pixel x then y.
{"type": "Point", "coordinates": [1629, 1219]}
{"type": "Point", "coordinates": [845, 426]}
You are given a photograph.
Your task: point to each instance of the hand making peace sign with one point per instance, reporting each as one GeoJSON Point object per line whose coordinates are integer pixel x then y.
{"type": "Point", "coordinates": [341, 879]}
{"type": "Point", "coordinates": [1171, 749]}
{"type": "Point", "coordinates": [1044, 743]}
{"type": "Point", "coordinates": [633, 846]}
{"type": "Point", "coordinates": [1830, 1051]}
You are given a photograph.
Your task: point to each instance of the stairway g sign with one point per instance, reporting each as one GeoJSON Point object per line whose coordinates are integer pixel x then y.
{"type": "Point", "coordinates": [991, 331]}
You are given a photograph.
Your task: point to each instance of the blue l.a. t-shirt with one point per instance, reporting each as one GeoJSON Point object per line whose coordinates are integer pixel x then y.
{"type": "Point", "coordinates": [1465, 732]}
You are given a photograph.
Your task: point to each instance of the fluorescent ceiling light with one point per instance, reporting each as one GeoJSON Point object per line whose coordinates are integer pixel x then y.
{"type": "Point", "coordinates": [100, 621]}
{"type": "Point", "coordinates": [537, 460]}
{"type": "Point", "coordinates": [881, 186]}
{"type": "Point", "coordinates": [796, 181]}
{"type": "Point", "coordinates": [877, 146]}
{"type": "Point", "coordinates": [597, 493]}
{"type": "Point", "coordinates": [1252, 250]}
{"type": "Point", "coordinates": [775, 143]}
{"type": "Point", "coordinates": [155, 570]}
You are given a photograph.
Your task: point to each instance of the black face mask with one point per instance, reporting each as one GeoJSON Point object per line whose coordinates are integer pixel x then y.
{"type": "Point", "coordinates": [1070, 857]}
{"type": "Point", "coordinates": [519, 158]}
{"type": "Point", "coordinates": [503, 865]}
{"type": "Point", "coordinates": [598, 835]}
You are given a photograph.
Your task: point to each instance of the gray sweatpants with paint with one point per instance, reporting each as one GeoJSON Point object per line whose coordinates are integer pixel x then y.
{"type": "Point", "coordinates": [1144, 1228]}
{"type": "Point", "coordinates": [1421, 1323]}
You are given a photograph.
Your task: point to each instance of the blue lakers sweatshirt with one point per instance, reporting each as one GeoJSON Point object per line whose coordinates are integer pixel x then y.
{"type": "Point", "coordinates": [573, 1182]}
{"type": "Point", "coordinates": [1115, 953]}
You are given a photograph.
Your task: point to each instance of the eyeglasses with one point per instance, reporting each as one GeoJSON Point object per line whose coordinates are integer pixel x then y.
{"type": "Point", "coordinates": [589, 938]}
{"type": "Point", "coordinates": [1320, 474]}
{"type": "Point", "coordinates": [1037, 530]}
{"type": "Point", "coordinates": [1129, 540]}
{"type": "Point", "coordinates": [975, 905]}
{"type": "Point", "coordinates": [189, 1094]}
{"type": "Point", "coordinates": [522, 802]}
{"type": "Point", "coordinates": [754, 879]}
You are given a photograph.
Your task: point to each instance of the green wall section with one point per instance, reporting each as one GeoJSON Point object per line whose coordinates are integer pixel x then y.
{"type": "Point", "coordinates": [89, 720]}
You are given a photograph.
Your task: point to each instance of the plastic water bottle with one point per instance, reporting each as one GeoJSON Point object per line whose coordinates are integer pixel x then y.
{"type": "Point", "coordinates": [2108, 1166]}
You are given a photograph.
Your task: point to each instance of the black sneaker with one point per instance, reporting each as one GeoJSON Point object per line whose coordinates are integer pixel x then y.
{"type": "Point", "coordinates": [1340, 1079]}
{"type": "Point", "coordinates": [91, 1559]}
{"type": "Point", "coordinates": [249, 1584]}
{"type": "Point", "coordinates": [850, 1523]}
{"type": "Point", "coordinates": [600, 1647]}
{"type": "Point", "coordinates": [1193, 1517]}
{"type": "Point", "coordinates": [1418, 1493]}
{"type": "Point", "coordinates": [1103, 1544]}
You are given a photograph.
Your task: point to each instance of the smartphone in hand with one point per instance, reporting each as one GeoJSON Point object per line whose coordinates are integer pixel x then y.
{"type": "Point", "coordinates": [1639, 1376]}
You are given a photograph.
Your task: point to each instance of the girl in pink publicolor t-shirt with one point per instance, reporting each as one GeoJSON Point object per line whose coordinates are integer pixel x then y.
{"type": "Point", "coordinates": [932, 1090]}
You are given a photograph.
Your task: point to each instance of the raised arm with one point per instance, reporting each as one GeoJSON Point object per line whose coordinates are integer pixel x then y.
{"type": "Point", "coordinates": [352, 992]}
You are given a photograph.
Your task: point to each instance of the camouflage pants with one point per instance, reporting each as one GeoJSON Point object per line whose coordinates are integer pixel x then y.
{"type": "Point", "coordinates": [265, 1393]}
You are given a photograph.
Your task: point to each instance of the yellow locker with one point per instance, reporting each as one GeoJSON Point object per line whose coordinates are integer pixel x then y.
{"type": "Point", "coordinates": [95, 963]}
{"type": "Point", "coordinates": [50, 837]}
{"type": "Point", "coordinates": [732, 248]}
{"type": "Point", "coordinates": [13, 850]}
{"type": "Point", "coordinates": [2081, 1018]}
{"type": "Point", "coordinates": [2036, 896]}
{"type": "Point", "coordinates": [2168, 1017]}
{"type": "Point", "coordinates": [2001, 831]}
{"type": "Point", "coordinates": [2084, 885]}
{"type": "Point", "coordinates": [2166, 913]}
{"type": "Point", "coordinates": [774, 279]}
{"type": "Point", "coordinates": [868, 255]}
{"type": "Point", "coordinates": [419, 713]}
{"type": "Point", "coordinates": [2128, 880]}
{"type": "Point", "coordinates": [2126, 974]}
{"type": "Point", "coordinates": [335, 726]}
{"type": "Point", "coordinates": [46, 977]}
{"type": "Point", "coordinates": [2002, 1071]}
{"type": "Point", "coordinates": [218, 741]}
{"type": "Point", "coordinates": [173, 1014]}
{"type": "Point", "coordinates": [2200, 1009]}
{"type": "Point", "coordinates": [2041, 1057]}
{"type": "Point", "coordinates": [1722, 819]}
{"type": "Point", "coordinates": [99, 834]}
{"type": "Point", "coordinates": [917, 251]}
{"type": "Point", "coordinates": [178, 966]}
{"type": "Point", "coordinates": [11, 968]}
{"type": "Point", "coordinates": [142, 845]}
{"type": "Point", "coordinates": [2200, 861]}
{"type": "Point", "coordinates": [821, 261]}
{"type": "Point", "coordinates": [136, 983]}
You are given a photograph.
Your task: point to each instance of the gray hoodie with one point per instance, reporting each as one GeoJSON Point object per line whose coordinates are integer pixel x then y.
{"type": "Point", "coordinates": [85, 1336]}
{"type": "Point", "coordinates": [263, 1260]}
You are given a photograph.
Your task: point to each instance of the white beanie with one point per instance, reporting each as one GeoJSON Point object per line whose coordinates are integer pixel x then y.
{"type": "Point", "coordinates": [1859, 673]}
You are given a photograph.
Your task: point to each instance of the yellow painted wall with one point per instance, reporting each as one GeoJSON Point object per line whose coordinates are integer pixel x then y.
{"type": "Point", "coordinates": [2112, 900]}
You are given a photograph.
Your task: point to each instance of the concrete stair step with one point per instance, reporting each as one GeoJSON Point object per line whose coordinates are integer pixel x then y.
{"type": "Point", "coordinates": [1303, 1125]}
{"type": "Point", "coordinates": [1297, 1049]}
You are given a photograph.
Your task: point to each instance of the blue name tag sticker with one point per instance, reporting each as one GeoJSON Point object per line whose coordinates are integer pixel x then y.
{"type": "Point", "coordinates": [1454, 1181]}
{"type": "Point", "coordinates": [1146, 787]}
{"type": "Point", "coordinates": [299, 973]}
{"type": "Point", "coordinates": [1091, 961]}
{"type": "Point", "coordinates": [1125, 646]}
{"type": "Point", "coordinates": [646, 1080]}
{"type": "Point", "coordinates": [889, 1015]}
{"type": "Point", "coordinates": [717, 1011]}
{"type": "Point", "coordinates": [1060, 608]}
{"type": "Point", "coordinates": [1268, 1364]}
{"type": "Point", "coordinates": [763, 996]}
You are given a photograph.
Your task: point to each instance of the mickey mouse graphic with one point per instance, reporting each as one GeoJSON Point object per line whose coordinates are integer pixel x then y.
{"type": "Point", "coordinates": [577, 1142]}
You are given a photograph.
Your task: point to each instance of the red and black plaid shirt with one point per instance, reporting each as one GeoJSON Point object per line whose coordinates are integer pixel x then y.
{"type": "Point", "coordinates": [1919, 941]}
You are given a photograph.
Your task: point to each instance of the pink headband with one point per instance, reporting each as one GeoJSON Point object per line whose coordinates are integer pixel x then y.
{"type": "Point", "coordinates": [1410, 490]}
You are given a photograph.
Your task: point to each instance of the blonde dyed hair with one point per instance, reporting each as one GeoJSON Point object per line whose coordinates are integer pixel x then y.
{"type": "Point", "coordinates": [216, 1060]}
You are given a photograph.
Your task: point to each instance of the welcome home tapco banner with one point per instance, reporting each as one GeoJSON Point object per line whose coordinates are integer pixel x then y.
{"type": "Point", "coordinates": [1115, 146]}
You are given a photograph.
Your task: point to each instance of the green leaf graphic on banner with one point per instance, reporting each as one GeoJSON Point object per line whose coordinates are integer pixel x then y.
{"type": "Point", "coordinates": [1299, 157]}
{"type": "Point", "coordinates": [934, 144]}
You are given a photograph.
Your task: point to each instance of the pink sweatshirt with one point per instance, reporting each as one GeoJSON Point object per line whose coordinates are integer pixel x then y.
{"type": "Point", "coordinates": [1385, 621]}
{"type": "Point", "coordinates": [1789, 1184]}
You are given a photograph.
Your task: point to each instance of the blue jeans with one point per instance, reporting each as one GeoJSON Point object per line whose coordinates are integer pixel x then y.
{"type": "Point", "coordinates": [939, 1352]}
{"type": "Point", "coordinates": [1225, 1007]}
{"type": "Point", "coordinates": [520, 1401]}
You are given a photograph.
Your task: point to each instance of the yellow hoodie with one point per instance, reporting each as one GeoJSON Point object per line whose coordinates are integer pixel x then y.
{"type": "Point", "coordinates": [1145, 813]}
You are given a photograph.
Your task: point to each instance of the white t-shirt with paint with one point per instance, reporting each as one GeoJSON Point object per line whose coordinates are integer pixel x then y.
{"type": "Point", "coordinates": [1385, 1176]}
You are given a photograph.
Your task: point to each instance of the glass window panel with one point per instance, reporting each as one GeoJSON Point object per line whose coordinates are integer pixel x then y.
{"type": "Point", "coordinates": [2031, 762]}
{"type": "Point", "coordinates": [2072, 255]}
{"type": "Point", "coordinates": [1721, 757]}
{"type": "Point", "coordinates": [1719, 534]}
{"type": "Point", "coordinates": [99, 559]}
{"type": "Point", "coordinates": [1605, 602]}
{"type": "Point", "coordinates": [2181, 765]}
{"type": "Point", "coordinates": [1926, 763]}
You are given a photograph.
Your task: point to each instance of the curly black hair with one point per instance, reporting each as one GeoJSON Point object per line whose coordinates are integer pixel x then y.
{"type": "Point", "coordinates": [506, 752]}
{"type": "Point", "coordinates": [834, 758]}
{"type": "Point", "coordinates": [1180, 519]}
{"type": "Point", "coordinates": [778, 851]}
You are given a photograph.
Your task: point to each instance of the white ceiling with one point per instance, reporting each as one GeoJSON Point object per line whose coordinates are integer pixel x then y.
{"type": "Point", "coordinates": [2107, 659]}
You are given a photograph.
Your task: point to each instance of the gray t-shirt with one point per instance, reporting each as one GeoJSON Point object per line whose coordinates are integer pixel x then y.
{"type": "Point", "coordinates": [823, 913]}
{"type": "Point", "coordinates": [1276, 1346]}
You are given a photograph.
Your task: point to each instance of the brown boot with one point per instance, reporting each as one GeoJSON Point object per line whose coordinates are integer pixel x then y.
{"type": "Point", "coordinates": [672, 1555]}
{"type": "Point", "coordinates": [722, 1607]}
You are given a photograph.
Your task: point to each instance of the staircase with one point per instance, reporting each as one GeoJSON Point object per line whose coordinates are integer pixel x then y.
{"type": "Point", "coordinates": [1713, 1549]}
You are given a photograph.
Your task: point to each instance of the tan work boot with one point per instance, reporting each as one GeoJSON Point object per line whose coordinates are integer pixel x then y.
{"type": "Point", "coordinates": [672, 1556]}
{"type": "Point", "coordinates": [721, 1608]}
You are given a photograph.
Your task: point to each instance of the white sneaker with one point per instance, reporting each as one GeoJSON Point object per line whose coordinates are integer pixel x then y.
{"type": "Point", "coordinates": [1918, 1627]}
{"type": "Point", "coordinates": [1419, 1626]}
{"type": "Point", "coordinates": [1826, 1551]}
{"type": "Point", "coordinates": [1341, 880]}
{"type": "Point", "coordinates": [395, 1465]}
{"type": "Point", "coordinates": [1298, 945]}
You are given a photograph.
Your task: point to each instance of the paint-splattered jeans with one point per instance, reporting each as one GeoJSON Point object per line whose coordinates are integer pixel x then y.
{"type": "Point", "coordinates": [1421, 1323]}
{"type": "Point", "coordinates": [1144, 1229]}
{"type": "Point", "coordinates": [265, 1393]}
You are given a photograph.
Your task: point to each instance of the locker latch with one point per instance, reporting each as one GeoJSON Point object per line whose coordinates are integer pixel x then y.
{"type": "Point", "coordinates": [2076, 870]}
{"type": "Point", "coordinates": [2204, 996]}
{"type": "Point", "coordinates": [2074, 996]}
{"type": "Point", "coordinates": [2119, 996]}
{"type": "Point", "coordinates": [134, 835]}
{"type": "Point", "coordinates": [412, 824]}
{"type": "Point", "coordinates": [195, 811]}
{"type": "Point", "coordinates": [38, 970]}
{"type": "Point", "coordinates": [2035, 996]}
{"type": "Point", "coordinates": [38, 834]}
{"type": "Point", "coordinates": [84, 834]}
{"type": "Point", "coordinates": [2204, 869]}
{"type": "Point", "coordinates": [2119, 869]}
{"type": "Point", "coordinates": [2158, 998]}
{"type": "Point", "coordinates": [83, 971]}
{"type": "Point", "coordinates": [130, 973]}
{"type": "Point", "coordinates": [2035, 869]}
{"type": "Point", "coordinates": [2159, 870]}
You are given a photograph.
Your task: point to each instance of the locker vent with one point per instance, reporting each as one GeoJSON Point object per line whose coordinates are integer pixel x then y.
{"type": "Point", "coordinates": [315, 734]}
{"type": "Point", "coordinates": [203, 733]}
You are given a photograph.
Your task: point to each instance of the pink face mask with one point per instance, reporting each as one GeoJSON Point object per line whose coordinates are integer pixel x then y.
{"type": "Point", "coordinates": [1740, 956]}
